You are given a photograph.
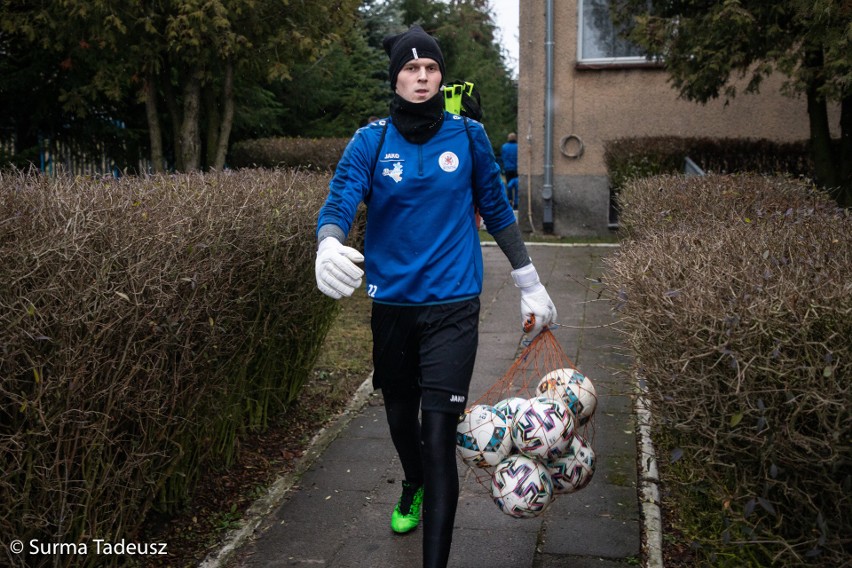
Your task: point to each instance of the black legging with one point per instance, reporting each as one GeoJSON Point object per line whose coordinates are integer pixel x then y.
{"type": "Point", "coordinates": [428, 456]}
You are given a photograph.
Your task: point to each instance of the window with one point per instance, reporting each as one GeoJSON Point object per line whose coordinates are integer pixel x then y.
{"type": "Point", "coordinates": [599, 41]}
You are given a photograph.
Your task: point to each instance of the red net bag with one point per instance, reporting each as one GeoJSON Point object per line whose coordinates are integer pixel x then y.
{"type": "Point", "coordinates": [529, 437]}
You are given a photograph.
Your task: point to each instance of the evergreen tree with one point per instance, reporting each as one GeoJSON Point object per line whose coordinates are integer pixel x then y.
{"type": "Point", "coordinates": [182, 59]}
{"type": "Point", "coordinates": [181, 79]}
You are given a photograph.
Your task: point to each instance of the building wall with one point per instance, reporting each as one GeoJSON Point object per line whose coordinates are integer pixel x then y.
{"type": "Point", "coordinates": [604, 103]}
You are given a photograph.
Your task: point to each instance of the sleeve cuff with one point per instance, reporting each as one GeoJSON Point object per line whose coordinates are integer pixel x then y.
{"type": "Point", "coordinates": [330, 230]}
{"type": "Point", "coordinates": [525, 276]}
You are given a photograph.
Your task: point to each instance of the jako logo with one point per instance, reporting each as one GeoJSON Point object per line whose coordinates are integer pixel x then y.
{"type": "Point", "coordinates": [456, 398]}
{"type": "Point", "coordinates": [391, 156]}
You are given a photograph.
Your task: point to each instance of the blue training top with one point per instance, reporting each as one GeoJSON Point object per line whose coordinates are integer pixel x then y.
{"type": "Point", "coordinates": [509, 155]}
{"type": "Point", "coordinates": [421, 244]}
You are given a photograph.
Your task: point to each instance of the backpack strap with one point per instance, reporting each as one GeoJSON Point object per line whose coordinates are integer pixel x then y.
{"type": "Point", "coordinates": [470, 143]}
{"type": "Point", "coordinates": [381, 143]}
{"type": "Point", "coordinates": [376, 159]}
{"type": "Point", "coordinates": [473, 161]}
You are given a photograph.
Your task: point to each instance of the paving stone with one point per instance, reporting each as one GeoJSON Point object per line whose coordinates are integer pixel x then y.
{"type": "Point", "coordinates": [338, 514]}
{"type": "Point", "coordinates": [604, 538]}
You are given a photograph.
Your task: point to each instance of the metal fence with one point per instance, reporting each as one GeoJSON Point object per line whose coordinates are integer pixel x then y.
{"type": "Point", "coordinates": [56, 156]}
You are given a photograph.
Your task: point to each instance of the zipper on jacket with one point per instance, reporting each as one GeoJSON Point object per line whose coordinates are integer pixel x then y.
{"type": "Point", "coordinates": [420, 160]}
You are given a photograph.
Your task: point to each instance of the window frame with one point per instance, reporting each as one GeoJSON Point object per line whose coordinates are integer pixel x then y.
{"type": "Point", "coordinates": [630, 61]}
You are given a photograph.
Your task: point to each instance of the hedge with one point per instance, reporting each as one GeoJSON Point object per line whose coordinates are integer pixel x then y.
{"type": "Point", "coordinates": [630, 158]}
{"type": "Point", "coordinates": [145, 324]}
{"type": "Point", "coordinates": [307, 153]}
{"type": "Point", "coordinates": [735, 296]}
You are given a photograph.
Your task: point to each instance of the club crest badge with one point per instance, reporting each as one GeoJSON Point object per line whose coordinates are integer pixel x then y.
{"type": "Point", "coordinates": [448, 161]}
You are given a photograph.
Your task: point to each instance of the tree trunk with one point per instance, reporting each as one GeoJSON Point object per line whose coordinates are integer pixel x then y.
{"type": "Point", "coordinates": [826, 167]}
{"type": "Point", "coordinates": [190, 137]}
{"type": "Point", "coordinates": [211, 110]}
{"type": "Point", "coordinates": [227, 117]}
{"type": "Point", "coordinates": [154, 130]}
{"type": "Point", "coordinates": [174, 115]}
{"type": "Point", "coordinates": [845, 197]}
{"type": "Point", "coordinates": [820, 139]}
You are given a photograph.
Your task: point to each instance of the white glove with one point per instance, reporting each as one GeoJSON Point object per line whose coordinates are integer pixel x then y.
{"type": "Point", "coordinates": [537, 309]}
{"type": "Point", "coordinates": [337, 275]}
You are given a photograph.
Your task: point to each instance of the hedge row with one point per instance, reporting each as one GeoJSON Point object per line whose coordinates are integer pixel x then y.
{"type": "Point", "coordinates": [735, 295]}
{"type": "Point", "coordinates": [631, 158]}
{"type": "Point", "coordinates": [145, 323]}
{"type": "Point", "coordinates": [306, 153]}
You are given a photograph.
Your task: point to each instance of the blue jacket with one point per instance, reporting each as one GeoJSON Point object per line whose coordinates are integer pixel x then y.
{"type": "Point", "coordinates": [421, 244]}
{"type": "Point", "coordinates": [509, 156]}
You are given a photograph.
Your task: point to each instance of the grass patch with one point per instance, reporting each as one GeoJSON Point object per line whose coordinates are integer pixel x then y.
{"type": "Point", "coordinates": [348, 346]}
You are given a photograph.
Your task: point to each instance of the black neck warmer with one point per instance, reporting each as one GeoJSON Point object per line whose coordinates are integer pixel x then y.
{"type": "Point", "coordinates": [418, 122]}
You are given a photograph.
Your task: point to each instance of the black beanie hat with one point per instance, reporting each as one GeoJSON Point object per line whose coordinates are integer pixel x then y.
{"type": "Point", "coordinates": [412, 44]}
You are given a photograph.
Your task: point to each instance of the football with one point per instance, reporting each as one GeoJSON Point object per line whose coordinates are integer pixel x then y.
{"type": "Point", "coordinates": [483, 436]}
{"type": "Point", "coordinates": [575, 469]}
{"type": "Point", "coordinates": [508, 406]}
{"type": "Point", "coordinates": [521, 486]}
{"type": "Point", "coordinates": [574, 388]}
{"type": "Point", "coordinates": [542, 428]}
{"type": "Point", "coordinates": [554, 383]}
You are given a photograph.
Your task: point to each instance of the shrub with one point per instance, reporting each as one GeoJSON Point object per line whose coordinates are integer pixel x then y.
{"type": "Point", "coordinates": [734, 294]}
{"type": "Point", "coordinates": [674, 202]}
{"type": "Point", "coordinates": [631, 158]}
{"type": "Point", "coordinates": [144, 324]}
{"type": "Point", "coordinates": [306, 153]}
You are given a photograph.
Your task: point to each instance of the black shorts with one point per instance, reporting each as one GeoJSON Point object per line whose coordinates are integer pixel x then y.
{"type": "Point", "coordinates": [426, 352]}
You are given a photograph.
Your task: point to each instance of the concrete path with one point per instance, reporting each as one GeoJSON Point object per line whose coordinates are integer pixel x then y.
{"type": "Point", "coordinates": [336, 512]}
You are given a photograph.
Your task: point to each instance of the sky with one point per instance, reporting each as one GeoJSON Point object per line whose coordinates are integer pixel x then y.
{"type": "Point", "coordinates": [506, 17]}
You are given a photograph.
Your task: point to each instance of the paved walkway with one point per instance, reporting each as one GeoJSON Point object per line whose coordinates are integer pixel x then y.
{"type": "Point", "coordinates": [336, 512]}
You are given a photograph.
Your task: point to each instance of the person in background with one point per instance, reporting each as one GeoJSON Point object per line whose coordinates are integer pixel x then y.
{"type": "Point", "coordinates": [420, 172]}
{"type": "Point", "coordinates": [509, 157]}
{"type": "Point", "coordinates": [512, 191]}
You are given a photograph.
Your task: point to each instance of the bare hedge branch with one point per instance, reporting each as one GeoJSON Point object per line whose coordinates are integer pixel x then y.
{"type": "Point", "coordinates": [307, 153]}
{"type": "Point", "coordinates": [735, 295]}
{"type": "Point", "coordinates": [144, 324]}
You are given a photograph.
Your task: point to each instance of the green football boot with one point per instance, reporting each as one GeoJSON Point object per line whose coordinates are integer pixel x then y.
{"type": "Point", "coordinates": [406, 514]}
